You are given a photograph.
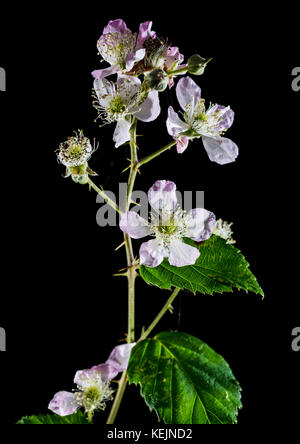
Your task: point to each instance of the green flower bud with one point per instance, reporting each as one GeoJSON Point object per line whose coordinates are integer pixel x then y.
{"type": "Point", "coordinates": [158, 80]}
{"type": "Point", "coordinates": [197, 64]}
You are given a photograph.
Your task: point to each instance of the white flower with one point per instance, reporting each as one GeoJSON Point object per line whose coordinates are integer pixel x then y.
{"type": "Point", "coordinates": [169, 225]}
{"type": "Point", "coordinates": [209, 123]}
{"type": "Point", "coordinates": [116, 102]}
{"type": "Point", "coordinates": [93, 385]}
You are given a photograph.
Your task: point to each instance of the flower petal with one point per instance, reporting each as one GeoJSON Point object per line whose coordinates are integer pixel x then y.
{"type": "Point", "coordinates": [108, 371]}
{"type": "Point", "coordinates": [134, 57]}
{"type": "Point", "coordinates": [181, 254]}
{"type": "Point", "coordinates": [152, 253]}
{"type": "Point", "coordinates": [134, 225]}
{"type": "Point", "coordinates": [226, 116]}
{"type": "Point", "coordinates": [150, 108]}
{"type": "Point", "coordinates": [86, 378]}
{"type": "Point", "coordinates": [128, 86]}
{"type": "Point", "coordinates": [162, 196]}
{"type": "Point", "coordinates": [64, 404]}
{"type": "Point", "coordinates": [187, 92]}
{"type": "Point", "coordinates": [173, 57]}
{"type": "Point", "coordinates": [104, 89]}
{"type": "Point", "coordinates": [145, 33]}
{"type": "Point", "coordinates": [121, 133]}
{"type": "Point", "coordinates": [175, 125]}
{"type": "Point", "coordinates": [102, 73]}
{"type": "Point", "coordinates": [115, 26]}
{"type": "Point", "coordinates": [220, 150]}
{"type": "Point", "coordinates": [201, 224]}
{"type": "Point", "coordinates": [119, 357]}
{"type": "Point", "coordinates": [182, 143]}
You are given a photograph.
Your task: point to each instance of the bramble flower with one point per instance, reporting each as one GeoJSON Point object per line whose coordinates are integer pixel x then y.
{"type": "Point", "coordinates": [121, 48]}
{"type": "Point", "coordinates": [93, 385]}
{"type": "Point", "coordinates": [223, 229]}
{"type": "Point", "coordinates": [116, 102]}
{"type": "Point", "coordinates": [169, 224]}
{"type": "Point", "coordinates": [209, 123]}
{"type": "Point", "coordinates": [74, 154]}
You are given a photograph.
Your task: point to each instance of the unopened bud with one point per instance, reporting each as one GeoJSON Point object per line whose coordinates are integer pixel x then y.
{"type": "Point", "coordinates": [197, 64]}
{"type": "Point", "coordinates": [158, 80]}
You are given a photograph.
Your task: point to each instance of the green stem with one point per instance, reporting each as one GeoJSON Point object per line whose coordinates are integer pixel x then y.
{"type": "Point", "coordinates": [104, 196]}
{"type": "Point", "coordinates": [160, 314]}
{"type": "Point", "coordinates": [154, 155]}
{"type": "Point", "coordinates": [118, 399]}
{"type": "Point", "coordinates": [178, 71]}
{"type": "Point", "coordinates": [131, 274]}
{"type": "Point", "coordinates": [134, 162]}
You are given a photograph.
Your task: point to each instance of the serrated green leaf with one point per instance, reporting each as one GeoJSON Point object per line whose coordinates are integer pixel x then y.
{"type": "Point", "coordinates": [220, 268]}
{"type": "Point", "coordinates": [77, 418]}
{"type": "Point", "coordinates": [184, 380]}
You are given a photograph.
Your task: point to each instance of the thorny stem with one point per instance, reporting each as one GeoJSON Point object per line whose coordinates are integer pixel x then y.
{"type": "Point", "coordinates": [165, 308]}
{"type": "Point", "coordinates": [155, 154]}
{"type": "Point", "coordinates": [134, 162]}
{"type": "Point", "coordinates": [131, 274]}
{"type": "Point", "coordinates": [104, 196]}
{"type": "Point", "coordinates": [118, 399]}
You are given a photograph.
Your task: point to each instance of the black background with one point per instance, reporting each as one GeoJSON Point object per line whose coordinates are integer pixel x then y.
{"type": "Point", "coordinates": [60, 305]}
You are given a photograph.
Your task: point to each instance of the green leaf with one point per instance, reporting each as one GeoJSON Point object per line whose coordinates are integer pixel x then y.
{"type": "Point", "coordinates": [219, 268]}
{"type": "Point", "coordinates": [184, 380]}
{"type": "Point", "coordinates": [77, 418]}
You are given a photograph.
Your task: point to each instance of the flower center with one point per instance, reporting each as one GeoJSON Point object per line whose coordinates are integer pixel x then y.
{"type": "Point", "coordinates": [116, 46]}
{"type": "Point", "coordinates": [168, 230]}
{"type": "Point", "coordinates": [117, 105]}
{"type": "Point", "coordinates": [94, 396]}
{"type": "Point", "coordinates": [75, 151]}
{"type": "Point", "coordinates": [167, 226]}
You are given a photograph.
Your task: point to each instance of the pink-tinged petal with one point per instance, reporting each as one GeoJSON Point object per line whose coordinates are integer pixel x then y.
{"type": "Point", "coordinates": [121, 134]}
{"type": "Point", "coordinates": [134, 225]}
{"type": "Point", "coordinates": [102, 73]}
{"type": "Point", "coordinates": [226, 116]}
{"type": "Point", "coordinates": [182, 143]}
{"type": "Point", "coordinates": [145, 33]}
{"type": "Point", "coordinates": [134, 57]}
{"type": "Point", "coordinates": [173, 57]}
{"type": "Point", "coordinates": [171, 82]}
{"type": "Point", "coordinates": [119, 357]}
{"type": "Point", "coordinates": [201, 224]}
{"type": "Point", "coordinates": [107, 371]}
{"type": "Point", "coordinates": [85, 378]}
{"type": "Point", "coordinates": [64, 404]}
{"type": "Point", "coordinates": [150, 108]}
{"type": "Point", "coordinates": [175, 125]}
{"type": "Point", "coordinates": [187, 92]}
{"type": "Point", "coordinates": [221, 151]}
{"type": "Point", "coordinates": [162, 196]}
{"type": "Point", "coordinates": [152, 253]}
{"type": "Point", "coordinates": [181, 254]}
{"type": "Point", "coordinates": [115, 26]}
